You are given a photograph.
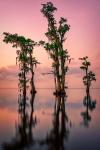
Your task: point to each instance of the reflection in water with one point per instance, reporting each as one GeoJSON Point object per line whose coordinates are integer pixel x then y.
{"type": "Point", "coordinates": [54, 140]}
{"type": "Point", "coordinates": [90, 105]}
{"type": "Point", "coordinates": [61, 126]}
{"type": "Point", "coordinates": [24, 136]}
{"type": "Point", "coordinates": [53, 130]}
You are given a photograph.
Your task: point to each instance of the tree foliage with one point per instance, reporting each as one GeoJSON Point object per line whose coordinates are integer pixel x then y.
{"type": "Point", "coordinates": [89, 75]}
{"type": "Point", "coordinates": [56, 35]}
{"type": "Point", "coordinates": [24, 59]}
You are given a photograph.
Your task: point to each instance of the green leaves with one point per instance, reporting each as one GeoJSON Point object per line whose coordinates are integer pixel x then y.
{"type": "Point", "coordinates": [64, 54]}
{"type": "Point", "coordinates": [87, 80]}
{"type": "Point", "coordinates": [85, 63]}
{"type": "Point", "coordinates": [51, 46]}
{"type": "Point", "coordinates": [63, 26]}
{"type": "Point", "coordinates": [19, 41]}
{"type": "Point", "coordinates": [89, 75]}
{"type": "Point", "coordinates": [56, 37]}
{"type": "Point", "coordinates": [83, 67]}
{"type": "Point", "coordinates": [41, 43]}
{"type": "Point", "coordinates": [62, 20]}
{"type": "Point", "coordinates": [84, 58]}
{"type": "Point", "coordinates": [48, 8]}
{"type": "Point", "coordinates": [24, 57]}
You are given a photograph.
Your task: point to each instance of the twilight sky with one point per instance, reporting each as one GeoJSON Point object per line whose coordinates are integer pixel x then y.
{"type": "Point", "coordinates": [24, 17]}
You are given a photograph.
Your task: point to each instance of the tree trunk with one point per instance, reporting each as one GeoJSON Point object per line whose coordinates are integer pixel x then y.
{"type": "Point", "coordinates": [88, 87]}
{"type": "Point", "coordinates": [32, 75]}
{"type": "Point", "coordinates": [24, 88]}
{"type": "Point", "coordinates": [62, 75]}
{"type": "Point", "coordinates": [58, 90]}
{"type": "Point", "coordinates": [62, 59]}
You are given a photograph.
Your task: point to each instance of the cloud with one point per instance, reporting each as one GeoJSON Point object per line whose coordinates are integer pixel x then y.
{"type": "Point", "coordinates": [8, 73]}
{"type": "Point", "coordinates": [9, 77]}
{"type": "Point", "coordinates": [74, 71]}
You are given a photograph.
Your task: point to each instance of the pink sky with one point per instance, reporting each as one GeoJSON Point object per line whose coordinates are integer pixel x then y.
{"type": "Point", "coordinates": [24, 17]}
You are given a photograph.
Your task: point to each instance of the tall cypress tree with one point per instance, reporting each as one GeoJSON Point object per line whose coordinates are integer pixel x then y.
{"type": "Point", "coordinates": [25, 60]}
{"type": "Point", "coordinates": [56, 36]}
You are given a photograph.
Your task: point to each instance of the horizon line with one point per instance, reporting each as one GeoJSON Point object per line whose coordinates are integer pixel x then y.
{"type": "Point", "coordinates": [51, 88]}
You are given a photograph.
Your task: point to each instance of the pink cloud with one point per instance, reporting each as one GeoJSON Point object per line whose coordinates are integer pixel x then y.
{"type": "Point", "coordinates": [8, 73]}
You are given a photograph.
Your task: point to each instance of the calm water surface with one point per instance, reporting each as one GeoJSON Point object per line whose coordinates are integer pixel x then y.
{"type": "Point", "coordinates": [43, 129]}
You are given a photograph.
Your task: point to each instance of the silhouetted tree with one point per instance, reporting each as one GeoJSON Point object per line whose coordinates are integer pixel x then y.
{"type": "Point", "coordinates": [25, 60]}
{"type": "Point", "coordinates": [56, 36]}
{"type": "Point", "coordinates": [89, 75]}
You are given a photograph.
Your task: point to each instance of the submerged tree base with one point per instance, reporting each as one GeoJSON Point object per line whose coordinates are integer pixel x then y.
{"type": "Point", "coordinates": [59, 93]}
{"type": "Point", "coordinates": [33, 92]}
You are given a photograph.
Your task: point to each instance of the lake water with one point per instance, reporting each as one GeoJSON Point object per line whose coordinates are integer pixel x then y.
{"type": "Point", "coordinates": [43, 129]}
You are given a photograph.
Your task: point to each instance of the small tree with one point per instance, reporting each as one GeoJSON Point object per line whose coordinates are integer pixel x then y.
{"type": "Point", "coordinates": [89, 75]}
{"type": "Point", "coordinates": [87, 80]}
{"type": "Point", "coordinates": [56, 36]}
{"type": "Point", "coordinates": [24, 59]}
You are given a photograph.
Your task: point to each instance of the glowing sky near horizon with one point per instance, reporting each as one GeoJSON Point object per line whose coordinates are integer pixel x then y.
{"type": "Point", "coordinates": [24, 17]}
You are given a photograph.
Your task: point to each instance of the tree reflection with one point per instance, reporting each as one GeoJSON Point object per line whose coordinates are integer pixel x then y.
{"type": "Point", "coordinates": [61, 126]}
{"type": "Point", "coordinates": [24, 135]}
{"type": "Point", "coordinates": [89, 105]}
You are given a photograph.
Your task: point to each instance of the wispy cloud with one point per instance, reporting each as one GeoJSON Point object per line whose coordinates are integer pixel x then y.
{"type": "Point", "coordinates": [74, 71]}
{"type": "Point", "coordinates": [8, 73]}
{"type": "Point", "coordinates": [8, 77]}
